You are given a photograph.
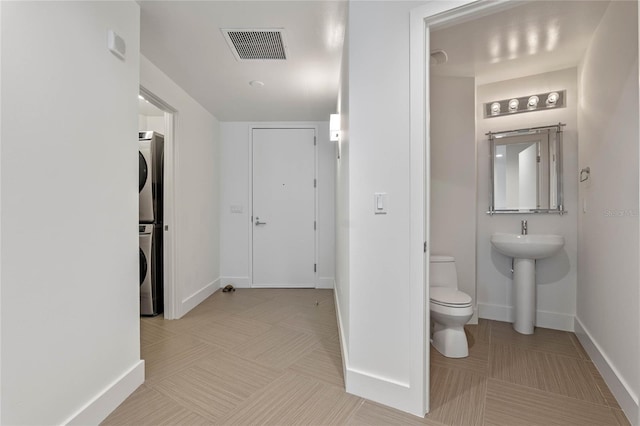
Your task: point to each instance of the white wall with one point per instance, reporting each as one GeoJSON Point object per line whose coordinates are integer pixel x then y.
{"type": "Point", "coordinates": [236, 227]}
{"type": "Point", "coordinates": [151, 122]}
{"type": "Point", "coordinates": [386, 346]}
{"type": "Point", "coordinates": [608, 278]}
{"type": "Point", "coordinates": [556, 276]}
{"type": "Point", "coordinates": [342, 207]}
{"type": "Point", "coordinates": [453, 177]}
{"type": "Point", "coordinates": [70, 309]}
{"type": "Point", "coordinates": [197, 190]}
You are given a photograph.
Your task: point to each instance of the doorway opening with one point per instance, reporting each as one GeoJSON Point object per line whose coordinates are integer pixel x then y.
{"type": "Point", "coordinates": [155, 115]}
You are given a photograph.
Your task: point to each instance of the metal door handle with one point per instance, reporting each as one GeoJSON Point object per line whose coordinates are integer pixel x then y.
{"type": "Point", "coordinates": [259, 223]}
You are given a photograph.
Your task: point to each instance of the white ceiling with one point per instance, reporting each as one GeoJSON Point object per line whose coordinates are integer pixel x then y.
{"type": "Point", "coordinates": [183, 38]}
{"type": "Point", "coordinates": [530, 38]}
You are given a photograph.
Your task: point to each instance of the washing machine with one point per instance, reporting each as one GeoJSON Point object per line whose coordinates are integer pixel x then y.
{"type": "Point", "coordinates": [150, 270]}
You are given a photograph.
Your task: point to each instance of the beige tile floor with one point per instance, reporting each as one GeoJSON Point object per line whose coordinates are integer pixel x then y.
{"type": "Point", "coordinates": [272, 356]}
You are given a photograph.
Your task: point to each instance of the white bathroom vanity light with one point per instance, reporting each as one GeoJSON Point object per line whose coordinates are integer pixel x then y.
{"type": "Point", "coordinates": [529, 103]}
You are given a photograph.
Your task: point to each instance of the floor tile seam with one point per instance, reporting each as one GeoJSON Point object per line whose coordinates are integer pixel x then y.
{"type": "Point", "coordinates": [200, 342]}
{"type": "Point", "coordinates": [291, 370]}
{"type": "Point", "coordinates": [485, 377]}
{"type": "Point", "coordinates": [253, 361]}
{"type": "Point", "coordinates": [151, 381]}
{"type": "Point", "coordinates": [200, 332]}
{"type": "Point", "coordinates": [349, 418]}
{"type": "Point", "coordinates": [549, 393]}
{"type": "Point", "coordinates": [205, 415]}
{"type": "Point", "coordinates": [541, 351]}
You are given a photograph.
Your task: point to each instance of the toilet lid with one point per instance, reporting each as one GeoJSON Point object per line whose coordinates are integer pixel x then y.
{"type": "Point", "coordinates": [449, 296]}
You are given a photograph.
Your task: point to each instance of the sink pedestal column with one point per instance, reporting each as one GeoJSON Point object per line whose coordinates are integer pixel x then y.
{"type": "Point", "coordinates": [524, 283]}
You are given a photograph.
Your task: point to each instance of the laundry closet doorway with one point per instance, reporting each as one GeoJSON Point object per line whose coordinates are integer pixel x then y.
{"type": "Point", "coordinates": [165, 125]}
{"type": "Point", "coordinates": [284, 207]}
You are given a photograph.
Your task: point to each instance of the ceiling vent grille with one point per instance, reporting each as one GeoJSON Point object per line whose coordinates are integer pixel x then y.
{"type": "Point", "coordinates": [256, 44]}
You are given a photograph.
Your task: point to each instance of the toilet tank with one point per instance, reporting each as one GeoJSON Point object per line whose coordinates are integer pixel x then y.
{"type": "Point", "coordinates": [442, 272]}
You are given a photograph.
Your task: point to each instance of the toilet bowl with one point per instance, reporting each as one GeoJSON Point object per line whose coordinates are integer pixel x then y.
{"type": "Point", "coordinates": [450, 308]}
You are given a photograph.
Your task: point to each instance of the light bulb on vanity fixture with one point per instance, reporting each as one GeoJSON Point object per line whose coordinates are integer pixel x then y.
{"type": "Point", "coordinates": [513, 105]}
{"type": "Point", "coordinates": [532, 103]}
{"type": "Point", "coordinates": [552, 99]}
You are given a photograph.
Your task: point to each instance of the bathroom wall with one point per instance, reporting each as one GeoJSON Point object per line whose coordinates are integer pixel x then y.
{"type": "Point", "coordinates": [607, 319]}
{"type": "Point", "coordinates": [453, 176]}
{"type": "Point", "coordinates": [556, 276]}
{"type": "Point", "coordinates": [236, 191]}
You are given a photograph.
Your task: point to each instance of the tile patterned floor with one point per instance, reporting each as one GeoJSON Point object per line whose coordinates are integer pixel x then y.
{"type": "Point", "coordinates": [272, 356]}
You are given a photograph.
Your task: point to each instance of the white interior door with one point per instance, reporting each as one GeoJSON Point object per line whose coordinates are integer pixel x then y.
{"type": "Point", "coordinates": [284, 240]}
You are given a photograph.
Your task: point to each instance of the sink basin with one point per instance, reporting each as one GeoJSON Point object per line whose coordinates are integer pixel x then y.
{"type": "Point", "coordinates": [532, 246]}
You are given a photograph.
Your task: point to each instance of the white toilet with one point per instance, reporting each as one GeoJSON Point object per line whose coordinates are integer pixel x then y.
{"type": "Point", "coordinates": [450, 308]}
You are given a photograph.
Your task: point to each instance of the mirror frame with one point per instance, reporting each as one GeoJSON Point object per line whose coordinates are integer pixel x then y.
{"type": "Point", "coordinates": [558, 169]}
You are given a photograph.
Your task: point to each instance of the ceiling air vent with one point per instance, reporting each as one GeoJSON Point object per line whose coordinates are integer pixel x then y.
{"type": "Point", "coordinates": [257, 44]}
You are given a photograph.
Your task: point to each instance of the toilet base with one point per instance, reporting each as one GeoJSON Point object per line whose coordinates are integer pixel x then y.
{"type": "Point", "coordinates": [450, 341]}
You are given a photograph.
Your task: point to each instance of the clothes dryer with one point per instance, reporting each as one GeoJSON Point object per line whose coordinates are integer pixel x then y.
{"type": "Point", "coordinates": [145, 184]}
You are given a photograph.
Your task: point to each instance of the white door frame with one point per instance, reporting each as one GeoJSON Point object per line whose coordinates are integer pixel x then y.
{"type": "Point", "coordinates": [170, 231]}
{"type": "Point", "coordinates": [422, 20]}
{"type": "Point", "coordinates": [283, 125]}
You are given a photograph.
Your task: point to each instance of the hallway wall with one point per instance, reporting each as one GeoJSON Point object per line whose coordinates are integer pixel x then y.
{"type": "Point", "coordinates": [236, 194]}
{"type": "Point", "coordinates": [69, 261]}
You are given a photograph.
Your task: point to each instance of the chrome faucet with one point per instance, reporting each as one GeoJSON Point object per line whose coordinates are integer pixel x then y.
{"type": "Point", "coordinates": [524, 227]}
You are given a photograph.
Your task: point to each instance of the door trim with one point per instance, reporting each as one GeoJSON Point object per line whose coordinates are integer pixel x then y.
{"type": "Point", "coordinates": [284, 126]}
{"type": "Point", "coordinates": [422, 20]}
{"type": "Point", "coordinates": [170, 234]}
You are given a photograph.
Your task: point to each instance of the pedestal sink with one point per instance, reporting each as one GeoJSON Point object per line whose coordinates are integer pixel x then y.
{"type": "Point", "coordinates": [525, 249]}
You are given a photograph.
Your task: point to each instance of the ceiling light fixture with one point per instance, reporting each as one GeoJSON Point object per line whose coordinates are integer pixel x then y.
{"type": "Point", "coordinates": [495, 108]}
{"type": "Point", "coordinates": [513, 105]}
{"type": "Point", "coordinates": [532, 103]}
{"type": "Point", "coordinates": [552, 99]}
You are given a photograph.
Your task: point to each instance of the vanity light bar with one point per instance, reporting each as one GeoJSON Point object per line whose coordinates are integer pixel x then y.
{"type": "Point", "coordinates": [529, 103]}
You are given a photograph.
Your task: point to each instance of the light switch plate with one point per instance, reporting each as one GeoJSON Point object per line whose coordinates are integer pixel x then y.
{"type": "Point", "coordinates": [380, 203]}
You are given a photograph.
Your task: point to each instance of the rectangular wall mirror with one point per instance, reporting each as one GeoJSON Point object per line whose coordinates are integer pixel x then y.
{"type": "Point", "coordinates": [526, 170]}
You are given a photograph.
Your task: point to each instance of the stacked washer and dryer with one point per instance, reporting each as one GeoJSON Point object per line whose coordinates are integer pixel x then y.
{"type": "Point", "coordinates": [150, 187]}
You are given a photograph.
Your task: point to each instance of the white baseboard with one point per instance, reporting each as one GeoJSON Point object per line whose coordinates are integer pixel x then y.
{"type": "Point", "coordinates": [96, 410]}
{"type": "Point", "coordinates": [343, 341]}
{"type": "Point", "coordinates": [237, 282]}
{"type": "Point", "coordinates": [198, 297]}
{"type": "Point", "coordinates": [626, 398]}
{"type": "Point", "coordinates": [553, 320]}
{"type": "Point", "coordinates": [326, 282]}
{"type": "Point", "coordinates": [371, 386]}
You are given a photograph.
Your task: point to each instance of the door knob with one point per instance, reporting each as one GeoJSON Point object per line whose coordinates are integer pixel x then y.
{"type": "Point", "coordinates": [258, 221]}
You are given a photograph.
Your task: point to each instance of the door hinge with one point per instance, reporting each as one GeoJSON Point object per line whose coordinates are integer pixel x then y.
{"type": "Point", "coordinates": [314, 225]}
{"type": "Point", "coordinates": [315, 267]}
{"type": "Point", "coordinates": [314, 141]}
{"type": "Point", "coordinates": [538, 158]}
{"type": "Point", "coordinates": [425, 247]}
